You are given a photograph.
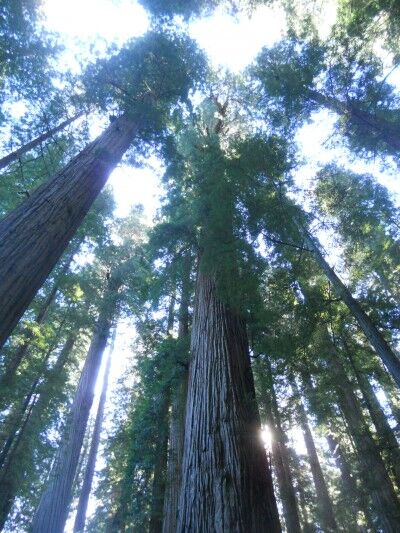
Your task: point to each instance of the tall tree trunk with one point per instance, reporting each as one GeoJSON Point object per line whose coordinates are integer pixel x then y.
{"type": "Point", "coordinates": [373, 471]}
{"type": "Point", "coordinates": [80, 518]}
{"type": "Point", "coordinates": [8, 377]}
{"type": "Point", "coordinates": [51, 514]}
{"type": "Point", "coordinates": [27, 429]}
{"type": "Point", "coordinates": [160, 468]}
{"type": "Point", "coordinates": [378, 127]}
{"type": "Point", "coordinates": [177, 419]}
{"type": "Point", "coordinates": [226, 481]}
{"type": "Point", "coordinates": [387, 440]}
{"type": "Point", "coordinates": [175, 454]}
{"type": "Point", "coordinates": [16, 154]}
{"type": "Point", "coordinates": [280, 454]}
{"type": "Point", "coordinates": [35, 234]}
{"type": "Point", "coordinates": [353, 499]}
{"type": "Point", "coordinates": [382, 348]}
{"type": "Point", "coordinates": [324, 503]}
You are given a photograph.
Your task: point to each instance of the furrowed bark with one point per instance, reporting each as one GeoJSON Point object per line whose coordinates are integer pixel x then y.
{"type": "Point", "coordinates": [324, 503]}
{"type": "Point", "coordinates": [80, 518]}
{"type": "Point", "coordinates": [51, 514]}
{"type": "Point", "coordinates": [382, 348]}
{"type": "Point", "coordinates": [16, 154]}
{"type": "Point", "coordinates": [35, 234]}
{"type": "Point", "coordinates": [375, 477]}
{"type": "Point", "coordinates": [226, 481]}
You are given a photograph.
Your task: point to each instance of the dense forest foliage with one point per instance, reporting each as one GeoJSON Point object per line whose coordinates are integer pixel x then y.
{"type": "Point", "coordinates": [259, 387]}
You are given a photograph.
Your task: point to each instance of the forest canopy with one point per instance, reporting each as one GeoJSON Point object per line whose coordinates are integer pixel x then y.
{"type": "Point", "coordinates": [199, 266]}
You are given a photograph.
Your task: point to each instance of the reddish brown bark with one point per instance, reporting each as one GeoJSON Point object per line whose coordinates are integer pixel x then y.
{"type": "Point", "coordinates": [226, 481]}
{"type": "Point", "coordinates": [35, 234]}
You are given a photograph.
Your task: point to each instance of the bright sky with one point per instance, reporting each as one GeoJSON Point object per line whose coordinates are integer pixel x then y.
{"type": "Point", "coordinates": [89, 25]}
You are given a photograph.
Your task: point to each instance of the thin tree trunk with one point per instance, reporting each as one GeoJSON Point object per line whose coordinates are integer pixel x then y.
{"type": "Point", "coordinates": [16, 154]}
{"type": "Point", "coordinates": [160, 468]}
{"type": "Point", "coordinates": [280, 454]}
{"type": "Point", "coordinates": [51, 514]}
{"type": "Point", "coordinates": [8, 378]}
{"type": "Point", "coordinates": [373, 471]}
{"type": "Point", "coordinates": [381, 129]}
{"type": "Point", "coordinates": [80, 518]}
{"type": "Point", "coordinates": [387, 440]}
{"type": "Point", "coordinates": [35, 234]}
{"type": "Point", "coordinates": [15, 417]}
{"type": "Point", "coordinates": [324, 503]}
{"type": "Point", "coordinates": [175, 454]}
{"type": "Point", "coordinates": [226, 481]}
{"type": "Point", "coordinates": [389, 358]}
{"type": "Point", "coordinates": [177, 419]}
{"type": "Point", "coordinates": [34, 409]}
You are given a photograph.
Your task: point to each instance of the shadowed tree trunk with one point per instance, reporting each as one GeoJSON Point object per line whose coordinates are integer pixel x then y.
{"type": "Point", "coordinates": [382, 348]}
{"type": "Point", "coordinates": [353, 498]}
{"type": "Point", "coordinates": [35, 234]}
{"type": "Point", "coordinates": [160, 467]}
{"type": "Point", "coordinates": [226, 481]}
{"type": "Point", "coordinates": [17, 356]}
{"type": "Point", "coordinates": [375, 477]}
{"type": "Point", "coordinates": [28, 429]}
{"type": "Point", "coordinates": [80, 518]}
{"type": "Point", "coordinates": [51, 514]}
{"type": "Point", "coordinates": [13, 156]}
{"type": "Point", "coordinates": [387, 440]}
{"type": "Point", "coordinates": [177, 419]}
{"type": "Point", "coordinates": [324, 503]}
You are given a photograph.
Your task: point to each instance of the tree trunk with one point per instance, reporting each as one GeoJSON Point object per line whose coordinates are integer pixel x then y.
{"type": "Point", "coordinates": [280, 454]}
{"type": "Point", "coordinates": [381, 129]}
{"type": "Point", "coordinates": [177, 420]}
{"type": "Point", "coordinates": [51, 514]}
{"type": "Point", "coordinates": [387, 440]}
{"type": "Point", "coordinates": [175, 454]}
{"type": "Point", "coordinates": [389, 358]}
{"type": "Point", "coordinates": [160, 468]}
{"type": "Point", "coordinates": [8, 378]}
{"type": "Point", "coordinates": [11, 470]}
{"type": "Point", "coordinates": [80, 518]}
{"type": "Point", "coordinates": [226, 481]}
{"type": "Point", "coordinates": [35, 234]}
{"type": "Point", "coordinates": [373, 471]}
{"type": "Point", "coordinates": [13, 156]}
{"type": "Point", "coordinates": [324, 503]}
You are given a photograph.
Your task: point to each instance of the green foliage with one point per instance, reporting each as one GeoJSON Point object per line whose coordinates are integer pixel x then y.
{"type": "Point", "coordinates": [148, 76]}
{"type": "Point", "coordinates": [25, 53]}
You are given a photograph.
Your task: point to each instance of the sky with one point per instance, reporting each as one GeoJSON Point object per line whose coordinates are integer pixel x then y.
{"type": "Point", "coordinates": [231, 42]}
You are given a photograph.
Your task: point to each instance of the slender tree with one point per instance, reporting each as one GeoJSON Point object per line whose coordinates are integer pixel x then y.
{"type": "Point", "coordinates": [80, 519]}
{"type": "Point", "coordinates": [52, 511]}
{"type": "Point", "coordinates": [280, 453]}
{"type": "Point", "coordinates": [16, 154]}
